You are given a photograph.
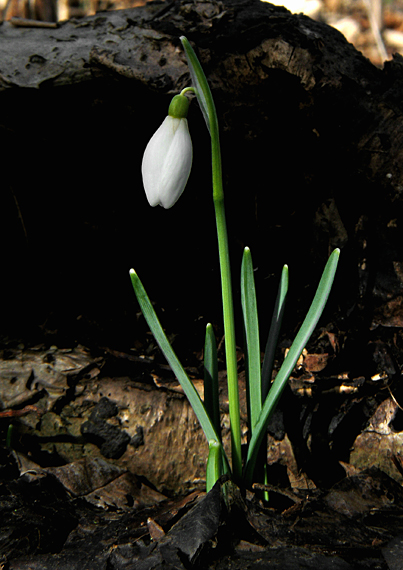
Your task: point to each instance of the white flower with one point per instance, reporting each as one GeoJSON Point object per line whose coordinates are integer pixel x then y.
{"type": "Point", "coordinates": [167, 162]}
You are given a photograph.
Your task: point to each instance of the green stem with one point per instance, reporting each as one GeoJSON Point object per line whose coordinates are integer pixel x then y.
{"type": "Point", "coordinates": [206, 103]}
{"type": "Point", "coordinates": [226, 288]}
{"type": "Point", "coordinates": [230, 341]}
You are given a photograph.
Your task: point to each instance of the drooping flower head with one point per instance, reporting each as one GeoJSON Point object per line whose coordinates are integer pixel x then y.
{"type": "Point", "coordinates": [167, 160]}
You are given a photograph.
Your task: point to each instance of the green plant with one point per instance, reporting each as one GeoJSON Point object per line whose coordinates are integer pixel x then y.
{"type": "Point", "coordinates": [169, 154]}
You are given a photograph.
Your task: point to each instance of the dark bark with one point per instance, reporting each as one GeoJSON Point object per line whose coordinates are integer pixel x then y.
{"type": "Point", "coordinates": [311, 135]}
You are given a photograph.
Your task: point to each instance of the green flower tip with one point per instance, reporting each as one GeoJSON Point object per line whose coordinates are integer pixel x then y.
{"type": "Point", "coordinates": [178, 109]}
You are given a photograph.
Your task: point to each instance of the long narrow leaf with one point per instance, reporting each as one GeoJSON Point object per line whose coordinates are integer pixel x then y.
{"type": "Point", "coordinates": [267, 367]}
{"type": "Point", "coordinates": [274, 331]}
{"type": "Point", "coordinates": [211, 396]}
{"type": "Point", "coordinates": [214, 463]}
{"type": "Point", "coordinates": [252, 348]}
{"type": "Point", "coordinates": [159, 335]}
{"type": "Point", "coordinates": [307, 327]}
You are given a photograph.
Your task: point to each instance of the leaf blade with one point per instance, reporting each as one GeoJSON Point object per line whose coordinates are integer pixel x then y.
{"type": "Point", "coordinates": [274, 332]}
{"type": "Point", "coordinates": [252, 342]}
{"type": "Point", "coordinates": [307, 327]}
{"type": "Point", "coordinates": [159, 335]}
{"type": "Point", "coordinates": [211, 395]}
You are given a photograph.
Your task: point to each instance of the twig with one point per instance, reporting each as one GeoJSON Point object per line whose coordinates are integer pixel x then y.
{"type": "Point", "coordinates": [28, 23]}
{"type": "Point", "coordinates": [17, 205]}
{"type": "Point", "coordinates": [376, 31]}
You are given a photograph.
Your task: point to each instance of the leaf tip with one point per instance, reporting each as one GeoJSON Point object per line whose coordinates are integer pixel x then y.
{"type": "Point", "coordinates": [334, 256]}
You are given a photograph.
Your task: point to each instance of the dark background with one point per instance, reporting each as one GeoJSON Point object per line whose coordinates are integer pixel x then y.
{"type": "Point", "coordinates": [71, 168]}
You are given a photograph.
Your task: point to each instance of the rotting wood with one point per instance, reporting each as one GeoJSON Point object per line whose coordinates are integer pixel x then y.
{"type": "Point", "coordinates": [300, 109]}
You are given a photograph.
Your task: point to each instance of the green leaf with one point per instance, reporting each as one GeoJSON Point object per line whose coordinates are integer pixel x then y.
{"type": "Point", "coordinates": [274, 333]}
{"type": "Point", "coordinates": [252, 349]}
{"type": "Point", "coordinates": [214, 463]}
{"type": "Point", "coordinates": [211, 396]}
{"type": "Point", "coordinates": [159, 335]}
{"type": "Point", "coordinates": [307, 327]}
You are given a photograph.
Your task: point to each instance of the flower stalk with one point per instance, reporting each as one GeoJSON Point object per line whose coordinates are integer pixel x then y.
{"type": "Point", "coordinates": [206, 102]}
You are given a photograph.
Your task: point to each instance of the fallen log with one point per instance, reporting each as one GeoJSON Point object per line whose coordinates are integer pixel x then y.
{"type": "Point", "coordinates": [311, 134]}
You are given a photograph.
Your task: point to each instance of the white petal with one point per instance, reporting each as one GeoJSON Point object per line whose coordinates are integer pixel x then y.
{"type": "Point", "coordinates": [177, 166]}
{"type": "Point", "coordinates": [153, 160]}
{"type": "Point", "coordinates": [167, 162]}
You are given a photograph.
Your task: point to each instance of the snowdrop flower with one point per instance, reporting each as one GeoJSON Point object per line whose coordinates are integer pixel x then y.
{"type": "Point", "coordinates": [168, 156]}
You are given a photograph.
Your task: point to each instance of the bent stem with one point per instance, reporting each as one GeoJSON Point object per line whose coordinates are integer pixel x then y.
{"type": "Point", "coordinates": [207, 106]}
